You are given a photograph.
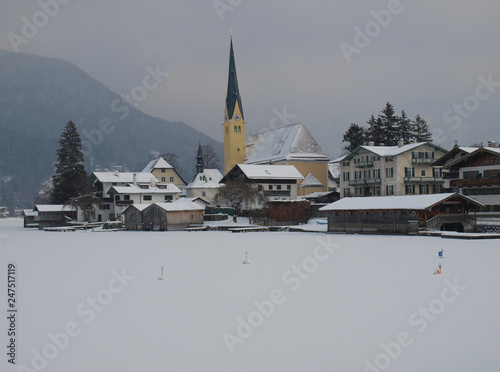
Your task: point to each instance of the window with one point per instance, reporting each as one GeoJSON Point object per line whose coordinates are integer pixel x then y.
{"type": "Point", "coordinates": [357, 175]}
{"type": "Point", "coordinates": [389, 172]}
{"type": "Point", "coordinates": [409, 172]}
{"type": "Point", "coordinates": [345, 176]}
{"type": "Point", "coordinates": [147, 197]}
{"type": "Point", "coordinates": [227, 130]}
{"type": "Point", "coordinates": [106, 206]}
{"type": "Point", "coordinates": [289, 187]}
{"type": "Point", "coordinates": [270, 187]}
{"type": "Point", "coordinates": [389, 190]}
{"type": "Point", "coordinates": [126, 197]}
{"type": "Point", "coordinates": [471, 175]}
{"type": "Point", "coordinates": [423, 173]}
{"type": "Point", "coordinates": [367, 173]}
{"type": "Point", "coordinates": [389, 158]}
{"type": "Point", "coordinates": [410, 189]}
{"type": "Point", "coordinates": [278, 187]}
{"type": "Point", "coordinates": [423, 189]}
{"type": "Point", "coordinates": [376, 158]}
{"type": "Point", "coordinates": [345, 163]}
{"type": "Point", "coordinates": [239, 128]}
{"type": "Point", "coordinates": [164, 179]}
{"type": "Point", "coordinates": [163, 170]}
{"type": "Point", "coordinates": [235, 129]}
{"type": "Point", "coordinates": [259, 187]}
{"type": "Point", "coordinates": [203, 193]}
{"type": "Point", "coordinates": [376, 173]}
{"type": "Point", "coordinates": [347, 192]}
{"type": "Point", "coordinates": [436, 172]}
{"type": "Point", "coordinates": [171, 179]}
{"type": "Point", "coordinates": [376, 190]}
{"type": "Point", "coordinates": [168, 198]}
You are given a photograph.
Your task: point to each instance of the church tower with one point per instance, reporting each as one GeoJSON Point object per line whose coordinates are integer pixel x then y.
{"type": "Point", "coordinates": [234, 123]}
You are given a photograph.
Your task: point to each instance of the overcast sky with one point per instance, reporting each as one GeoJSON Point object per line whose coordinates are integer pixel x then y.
{"type": "Point", "coordinates": [327, 63]}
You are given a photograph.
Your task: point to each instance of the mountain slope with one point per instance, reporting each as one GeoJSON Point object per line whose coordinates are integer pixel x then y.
{"type": "Point", "coordinates": [39, 95]}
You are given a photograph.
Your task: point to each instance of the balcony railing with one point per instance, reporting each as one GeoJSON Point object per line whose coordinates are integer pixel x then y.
{"type": "Point", "coordinates": [477, 182]}
{"type": "Point", "coordinates": [423, 180]}
{"type": "Point", "coordinates": [365, 181]}
{"type": "Point", "coordinates": [124, 202]}
{"type": "Point", "coordinates": [276, 192]}
{"type": "Point", "coordinates": [364, 164]}
{"type": "Point", "coordinates": [423, 160]}
{"type": "Point", "coordinates": [451, 175]}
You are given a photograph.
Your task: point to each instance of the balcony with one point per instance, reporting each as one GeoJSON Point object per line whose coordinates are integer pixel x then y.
{"type": "Point", "coordinates": [423, 160]}
{"type": "Point", "coordinates": [276, 193]}
{"type": "Point", "coordinates": [477, 182]}
{"type": "Point", "coordinates": [450, 175]}
{"type": "Point", "coordinates": [364, 164]}
{"type": "Point", "coordinates": [423, 180]}
{"type": "Point", "coordinates": [365, 181]}
{"type": "Point", "coordinates": [120, 203]}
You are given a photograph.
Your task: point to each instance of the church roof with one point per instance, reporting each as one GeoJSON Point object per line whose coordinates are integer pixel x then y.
{"type": "Point", "coordinates": [291, 142]}
{"type": "Point", "coordinates": [155, 164]}
{"type": "Point", "coordinates": [209, 178]}
{"type": "Point", "coordinates": [310, 181]}
{"type": "Point", "coordinates": [233, 92]}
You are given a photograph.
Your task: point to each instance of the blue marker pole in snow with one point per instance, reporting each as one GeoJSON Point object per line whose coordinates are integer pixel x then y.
{"type": "Point", "coordinates": [440, 253]}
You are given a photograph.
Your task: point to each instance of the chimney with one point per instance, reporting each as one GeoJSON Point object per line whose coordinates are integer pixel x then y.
{"type": "Point", "coordinates": [371, 143]}
{"type": "Point", "coordinates": [117, 172]}
{"type": "Point", "coordinates": [134, 178]}
{"type": "Point", "coordinates": [492, 144]}
{"type": "Point", "coordinates": [153, 182]}
{"type": "Point", "coordinates": [401, 142]}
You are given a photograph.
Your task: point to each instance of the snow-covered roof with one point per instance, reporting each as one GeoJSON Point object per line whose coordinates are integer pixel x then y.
{"type": "Point", "coordinates": [411, 202]}
{"type": "Point", "coordinates": [139, 207]}
{"type": "Point", "coordinates": [392, 150]}
{"type": "Point", "coordinates": [317, 194]}
{"type": "Point", "coordinates": [181, 205]}
{"type": "Point", "coordinates": [310, 181]}
{"type": "Point", "coordinates": [334, 169]}
{"type": "Point", "coordinates": [54, 208]}
{"type": "Point", "coordinates": [208, 179]}
{"type": "Point", "coordinates": [285, 172]}
{"type": "Point", "coordinates": [155, 164]}
{"type": "Point", "coordinates": [124, 177]}
{"type": "Point", "coordinates": [491, 150]}
{"type": "Point", "coordinates": [30, 212]}
{"type": "Point", "coordinates": [192, 199]}
{"type": "Point", "coordinates": [291, 142]}
{"type": "Point", "coordinates": [136, 189]}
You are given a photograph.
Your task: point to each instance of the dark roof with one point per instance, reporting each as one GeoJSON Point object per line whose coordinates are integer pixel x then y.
{"type": "Point", "coordinates": [233, 92]}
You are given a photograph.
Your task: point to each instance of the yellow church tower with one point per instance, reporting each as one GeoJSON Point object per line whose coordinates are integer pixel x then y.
{"type": "Point", "coordinates": [234, 123]}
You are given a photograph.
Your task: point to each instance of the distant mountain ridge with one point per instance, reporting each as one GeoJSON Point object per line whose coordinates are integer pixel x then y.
{"type": "Point", "coordinates": [39, 95]}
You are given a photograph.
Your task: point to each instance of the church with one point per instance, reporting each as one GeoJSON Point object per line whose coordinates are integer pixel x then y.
{"type": "Point", "coordinates": [288, 145]}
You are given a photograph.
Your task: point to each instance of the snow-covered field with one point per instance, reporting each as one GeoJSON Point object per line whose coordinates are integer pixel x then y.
{"type": "Point", "coordinates": [91, 301]}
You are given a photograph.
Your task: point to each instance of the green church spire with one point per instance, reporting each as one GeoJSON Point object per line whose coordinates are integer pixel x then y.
{"type": "Point", "coordinates": [233, 92]}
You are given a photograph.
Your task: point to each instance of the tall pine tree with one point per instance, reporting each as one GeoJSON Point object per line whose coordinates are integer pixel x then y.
{"type": "Point", "coordinates": [405, 128]}
{"type": "Point", "coordinates": [355, 136]}
{"type": "Point", "coordinates": [69, 180]}
{"type": "Point", "coordinates": [375, 131]}
{"type": "Point", "coordinates": [421, 131]}
{"type": "Point", "coordinates": [389, 125]}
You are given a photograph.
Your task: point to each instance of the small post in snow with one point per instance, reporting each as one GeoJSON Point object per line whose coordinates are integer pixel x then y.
{"type": "Point", "coordinates": [162, 277]}
{"type": "Point", "coordinates": [247, 261]}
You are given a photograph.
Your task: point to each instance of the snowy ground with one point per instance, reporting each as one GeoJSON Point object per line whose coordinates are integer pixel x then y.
{"type": "Point", "coordinates": [308, 302]}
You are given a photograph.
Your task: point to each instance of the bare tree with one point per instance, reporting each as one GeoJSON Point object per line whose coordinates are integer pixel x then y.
{"type": "Point", "coordinates": [235, 192]}
{"type": "Point", "coordinates": [86, 203]}
{"type": "Point", "coordinates": [173, 160]}
{"type": "Point", "coordinates": [210, 158]}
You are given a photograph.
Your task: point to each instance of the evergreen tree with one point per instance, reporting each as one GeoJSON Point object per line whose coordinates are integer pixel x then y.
{"type": "Point", "coordinates": [375, 131]}
{"type": "Point", "coordinates": [389, 125]}
{"type": "Point", "coordinates": [354, 136]}
{"type": "Point", "coordinates": [421, 131]}
{"type": "Point", "coordinates": [70, 176]}
{"type": "Point", "coordinates": [405, 128]}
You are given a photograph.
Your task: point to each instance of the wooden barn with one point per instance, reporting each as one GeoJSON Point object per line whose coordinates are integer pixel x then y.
{"type": "Point", "coordinates": [402, 214]}
{"type": "Point", "coordinates": [163, 216]}
{"type": "Point", "coordinates": [54, 215]}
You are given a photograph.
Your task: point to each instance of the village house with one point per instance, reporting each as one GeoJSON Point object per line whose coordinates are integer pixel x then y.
{"type": "Point", "coordinates": [391, 170]}
{"type": "Point", "coordinates": [403, 214]}
{"type": "Point", "coordinates": [163, 216]}
{"type": "Point", "coordinates": [54, 215]}
{"type": "Point", "coordinates": [276, 182]}
{"type": "Point", "coordinates": [164, 172]}
{"type": "Point", "coordinates": [475, 173]}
